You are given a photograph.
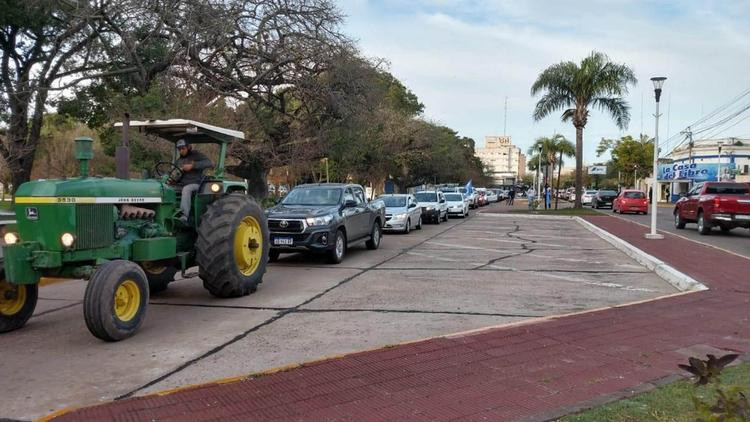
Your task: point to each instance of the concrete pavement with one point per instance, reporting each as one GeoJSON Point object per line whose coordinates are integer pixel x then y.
{"type": "Point", "coordinates": [533, 370]}
{"type": "Point", "coordinates": [468, 274]}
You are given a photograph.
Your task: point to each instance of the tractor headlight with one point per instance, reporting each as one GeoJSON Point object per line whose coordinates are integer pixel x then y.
{"type": "Point", "coordinates": [319, 221]}
{"type": "Point", "coordinates": [215, 187]}
{"type": "Point", "coordinates": [10, 238]}
{"type": "Point", "coordinates": [67, 239]}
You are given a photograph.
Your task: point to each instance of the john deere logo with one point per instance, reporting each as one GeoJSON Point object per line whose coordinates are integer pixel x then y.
{"type": "Point", "coordinates": [283, 224]}
{"type": "Point", "coordinates": [32, 213]}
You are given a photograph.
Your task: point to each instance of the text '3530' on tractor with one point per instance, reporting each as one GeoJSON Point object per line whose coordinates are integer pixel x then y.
{"type": "Point", "coordinates": [129, 238]}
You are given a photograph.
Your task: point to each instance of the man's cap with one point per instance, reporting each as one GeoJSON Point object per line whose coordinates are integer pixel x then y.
{"type": "Point", "coordinates": [181, 143]}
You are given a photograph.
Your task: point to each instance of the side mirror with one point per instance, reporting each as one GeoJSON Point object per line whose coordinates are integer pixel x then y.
{"type": "Point", "coordinates": [350, 203]}
{"type": "Point", "coordinates": [442, 201]}
{"type": "Point", "coordinates": [412, 205]}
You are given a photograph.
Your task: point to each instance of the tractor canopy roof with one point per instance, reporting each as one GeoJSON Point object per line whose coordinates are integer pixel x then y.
{"type": "Point", "coordinates": [194, 132]}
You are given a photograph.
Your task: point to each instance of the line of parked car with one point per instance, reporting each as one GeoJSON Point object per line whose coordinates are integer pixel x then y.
{"type": "Point", "coordinates": [329, 218]}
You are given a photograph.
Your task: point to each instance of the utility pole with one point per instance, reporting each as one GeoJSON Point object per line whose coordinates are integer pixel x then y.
{"type": "Point", "coordinates": [505, 118]}
{"type": "Point", "coordinates": [718, 173]}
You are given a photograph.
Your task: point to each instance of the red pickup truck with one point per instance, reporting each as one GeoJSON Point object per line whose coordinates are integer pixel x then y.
{"type": "Point", "coordinates": [722, 204]}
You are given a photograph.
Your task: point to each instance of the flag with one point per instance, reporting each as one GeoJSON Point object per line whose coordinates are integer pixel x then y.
{"type": "Point", "coordinates": [469, 188]}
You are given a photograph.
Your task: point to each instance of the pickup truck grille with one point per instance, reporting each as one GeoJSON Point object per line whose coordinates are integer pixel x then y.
{"type": "Point", "coordinates": [291, 226]}
{"type": "Point", "coordinates": [95, 226]}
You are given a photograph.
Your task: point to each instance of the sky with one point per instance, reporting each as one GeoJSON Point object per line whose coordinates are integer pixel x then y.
{"type": "Point", "coordinates": [463, 58]}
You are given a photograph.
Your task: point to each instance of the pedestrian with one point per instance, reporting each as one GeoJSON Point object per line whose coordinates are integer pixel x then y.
{"type": "Point", "coordinates": [547, 197]}
{"type": "Point", "coordinates": [531, 195]}
{"type": "Point", "coordinates": [511, 196]}
{"type": "Point", "coordinates": [649, 195]}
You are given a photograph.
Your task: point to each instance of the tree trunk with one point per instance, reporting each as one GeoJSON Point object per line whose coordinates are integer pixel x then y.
{"type": "Point", "coordinates": [579, 166]}
{"type": "Point", "coordinates": [557, 189]}
{"type": "Point", "coordinates": [256, 176]}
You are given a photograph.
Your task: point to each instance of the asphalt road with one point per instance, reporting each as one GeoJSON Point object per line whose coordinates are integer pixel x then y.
{"type": "Point", "coordinates": [737, 240]}
{"type": "Point", "coordinates": [483, 271]}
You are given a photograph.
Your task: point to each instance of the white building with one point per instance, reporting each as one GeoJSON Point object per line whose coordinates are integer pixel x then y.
{"type": "Point", "coordinates": [505, 161]}
{"type": "Point", "coordinates": [726, 159]}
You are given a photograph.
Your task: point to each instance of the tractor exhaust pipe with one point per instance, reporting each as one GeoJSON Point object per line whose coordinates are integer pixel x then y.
{"type": "Point", "coordinates": [122, 152]}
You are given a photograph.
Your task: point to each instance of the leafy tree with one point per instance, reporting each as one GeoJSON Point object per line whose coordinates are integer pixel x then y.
{"type": "Point", "coordinates": [629, 156]}
{"type": "Point", "coordinates": [52, 46]}
{"type": "Point", "coordinates": [576, 88]}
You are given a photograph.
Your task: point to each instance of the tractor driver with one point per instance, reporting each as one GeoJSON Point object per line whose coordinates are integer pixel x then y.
{"type": "Point", "coordinates": [192, 163]}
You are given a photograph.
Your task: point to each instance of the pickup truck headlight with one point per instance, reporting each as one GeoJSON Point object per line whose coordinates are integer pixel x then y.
{"type": "Point", "coordinates": [319, 221]}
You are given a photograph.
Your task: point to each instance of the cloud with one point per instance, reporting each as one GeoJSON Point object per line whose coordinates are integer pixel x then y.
{"type": "Point", "coordinates": [462, 58]}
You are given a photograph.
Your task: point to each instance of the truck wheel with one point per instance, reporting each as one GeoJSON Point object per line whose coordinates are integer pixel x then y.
{"type": "Point", "coordinates": [115, 302]}
{"type": "Point", "coordinates": [159, 275]}
{"type": "Point", "coordinates": [375, 235]}
{"type": "Point", "coordinates": [17, 303]}
{"type": "Point", "coordinates": [232, 246]}
{"type": "Point", "coordinates": [336, 255]}
{"type": "Point", "coordinates": [704, 226]}
{"type": "Point", "coordinates": [679, 223]}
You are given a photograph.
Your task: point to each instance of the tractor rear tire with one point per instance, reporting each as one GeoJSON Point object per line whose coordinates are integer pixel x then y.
{"type": "Point", "coordinates": [159, 275]}
{"type": "Point", "coordinates": [232, 247]}
{"type": "Point", "coordinates": [116, 299]}
{"type": "Point", "coordinates": [17, 303]}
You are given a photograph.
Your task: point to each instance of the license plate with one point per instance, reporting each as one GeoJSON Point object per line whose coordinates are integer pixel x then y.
{"type": "Point", "coordinates": [283, 241]}
{"type": "Point", "coordinates": [742, 217]}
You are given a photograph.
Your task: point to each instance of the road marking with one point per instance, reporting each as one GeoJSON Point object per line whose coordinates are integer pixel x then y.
{"type": "Point", "coordinates": [683, 237]}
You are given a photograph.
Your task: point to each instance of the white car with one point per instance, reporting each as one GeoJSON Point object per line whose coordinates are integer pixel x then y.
{"type": "Point", "coordinates": [458, 204]}
{"type": "Point", "coordinates": [434, 207]}
{"type": "Point", "coordinates": [587, 196]}
{"type": "Point", "coordinates": [401, 213]}
{"type": "Point", "coordinates": [492, 196]}
{"type": "Point", "coordinates": [472, 197]}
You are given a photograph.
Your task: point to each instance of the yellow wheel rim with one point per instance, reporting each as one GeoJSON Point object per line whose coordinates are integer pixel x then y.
{"type": "Point", "coordinates": [127, 300]}
{"type": "Point", "coordinates": [248, 245]}
{"type": "Point", "coordinates": [12, 298]}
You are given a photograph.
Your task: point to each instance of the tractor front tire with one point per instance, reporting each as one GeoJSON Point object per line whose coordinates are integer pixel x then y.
{"type": "Point", "coordinates": [232, 247]}
{"type": "Point", "coordinates": [159, 275]}
{"type": "Point", "coordinates": [17, 303]}
{"type": "Point", "coordinates": [116, 299]}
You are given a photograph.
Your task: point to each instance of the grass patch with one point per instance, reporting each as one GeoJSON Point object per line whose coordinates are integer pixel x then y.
{"type": "Point", "coordinates": [562, 211]}
{"type": "Point", "coordinates": [669, 403]}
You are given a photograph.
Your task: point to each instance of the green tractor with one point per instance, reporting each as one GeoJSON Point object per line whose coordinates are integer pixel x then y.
{"type": "Point", "coordinates": [128, 237]}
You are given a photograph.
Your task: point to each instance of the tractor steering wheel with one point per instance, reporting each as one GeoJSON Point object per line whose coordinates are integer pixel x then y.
{"type": "Point", "coordinates": [173, 173]}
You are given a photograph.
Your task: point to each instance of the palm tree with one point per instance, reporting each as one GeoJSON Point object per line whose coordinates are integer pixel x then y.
{"type": "Point", "coordinates": [566, 148]}
{"type": "Point", "coordinates": [595, 83]}
{"type": "Point", "coordinates": [553, 150]}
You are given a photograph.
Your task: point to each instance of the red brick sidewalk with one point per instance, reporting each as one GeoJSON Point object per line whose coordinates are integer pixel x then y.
{"type": "Point", "coordinates": [533, 371]}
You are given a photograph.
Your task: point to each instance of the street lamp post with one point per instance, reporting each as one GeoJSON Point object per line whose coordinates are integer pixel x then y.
{"type": "Point", "coordinates": [538, 178]}
{"type": "Point", "coordinates": [658, 83]}
{"type": "Point", "coordinates": [718, 172]}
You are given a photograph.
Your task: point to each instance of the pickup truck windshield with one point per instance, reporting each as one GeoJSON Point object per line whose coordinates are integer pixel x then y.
{"type": "Point", "coordinates": [394, 201]}
{"type": "Point", "coordinates": [728, 189]}
{"type": "Point", "coordinates": [453, 197]}
{"type": "Point", "coordinates": [426, 197]}
{"type": "Point", "coordinates": [315, 196]}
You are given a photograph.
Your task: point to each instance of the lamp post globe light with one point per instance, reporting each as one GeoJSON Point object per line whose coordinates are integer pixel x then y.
{"type": "Point", "coordinates": [658, 83]}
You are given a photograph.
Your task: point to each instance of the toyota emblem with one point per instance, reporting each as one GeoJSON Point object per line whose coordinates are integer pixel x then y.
{"type": "Point", "coordinates": [283, 224]}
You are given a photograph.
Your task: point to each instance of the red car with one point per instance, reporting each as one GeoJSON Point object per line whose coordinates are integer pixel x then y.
{"type": "Point", "coordinates": [722, 204]}
{"type": "Point", "coordinates": [630, 200]}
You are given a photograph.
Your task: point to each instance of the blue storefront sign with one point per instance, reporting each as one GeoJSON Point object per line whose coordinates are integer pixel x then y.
{"type": "Point", "coordinates": [687, 171]}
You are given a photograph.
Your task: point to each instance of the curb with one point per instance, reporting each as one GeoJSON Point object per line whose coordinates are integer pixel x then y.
{"type": "Point", "coordinates": [679, 280]}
